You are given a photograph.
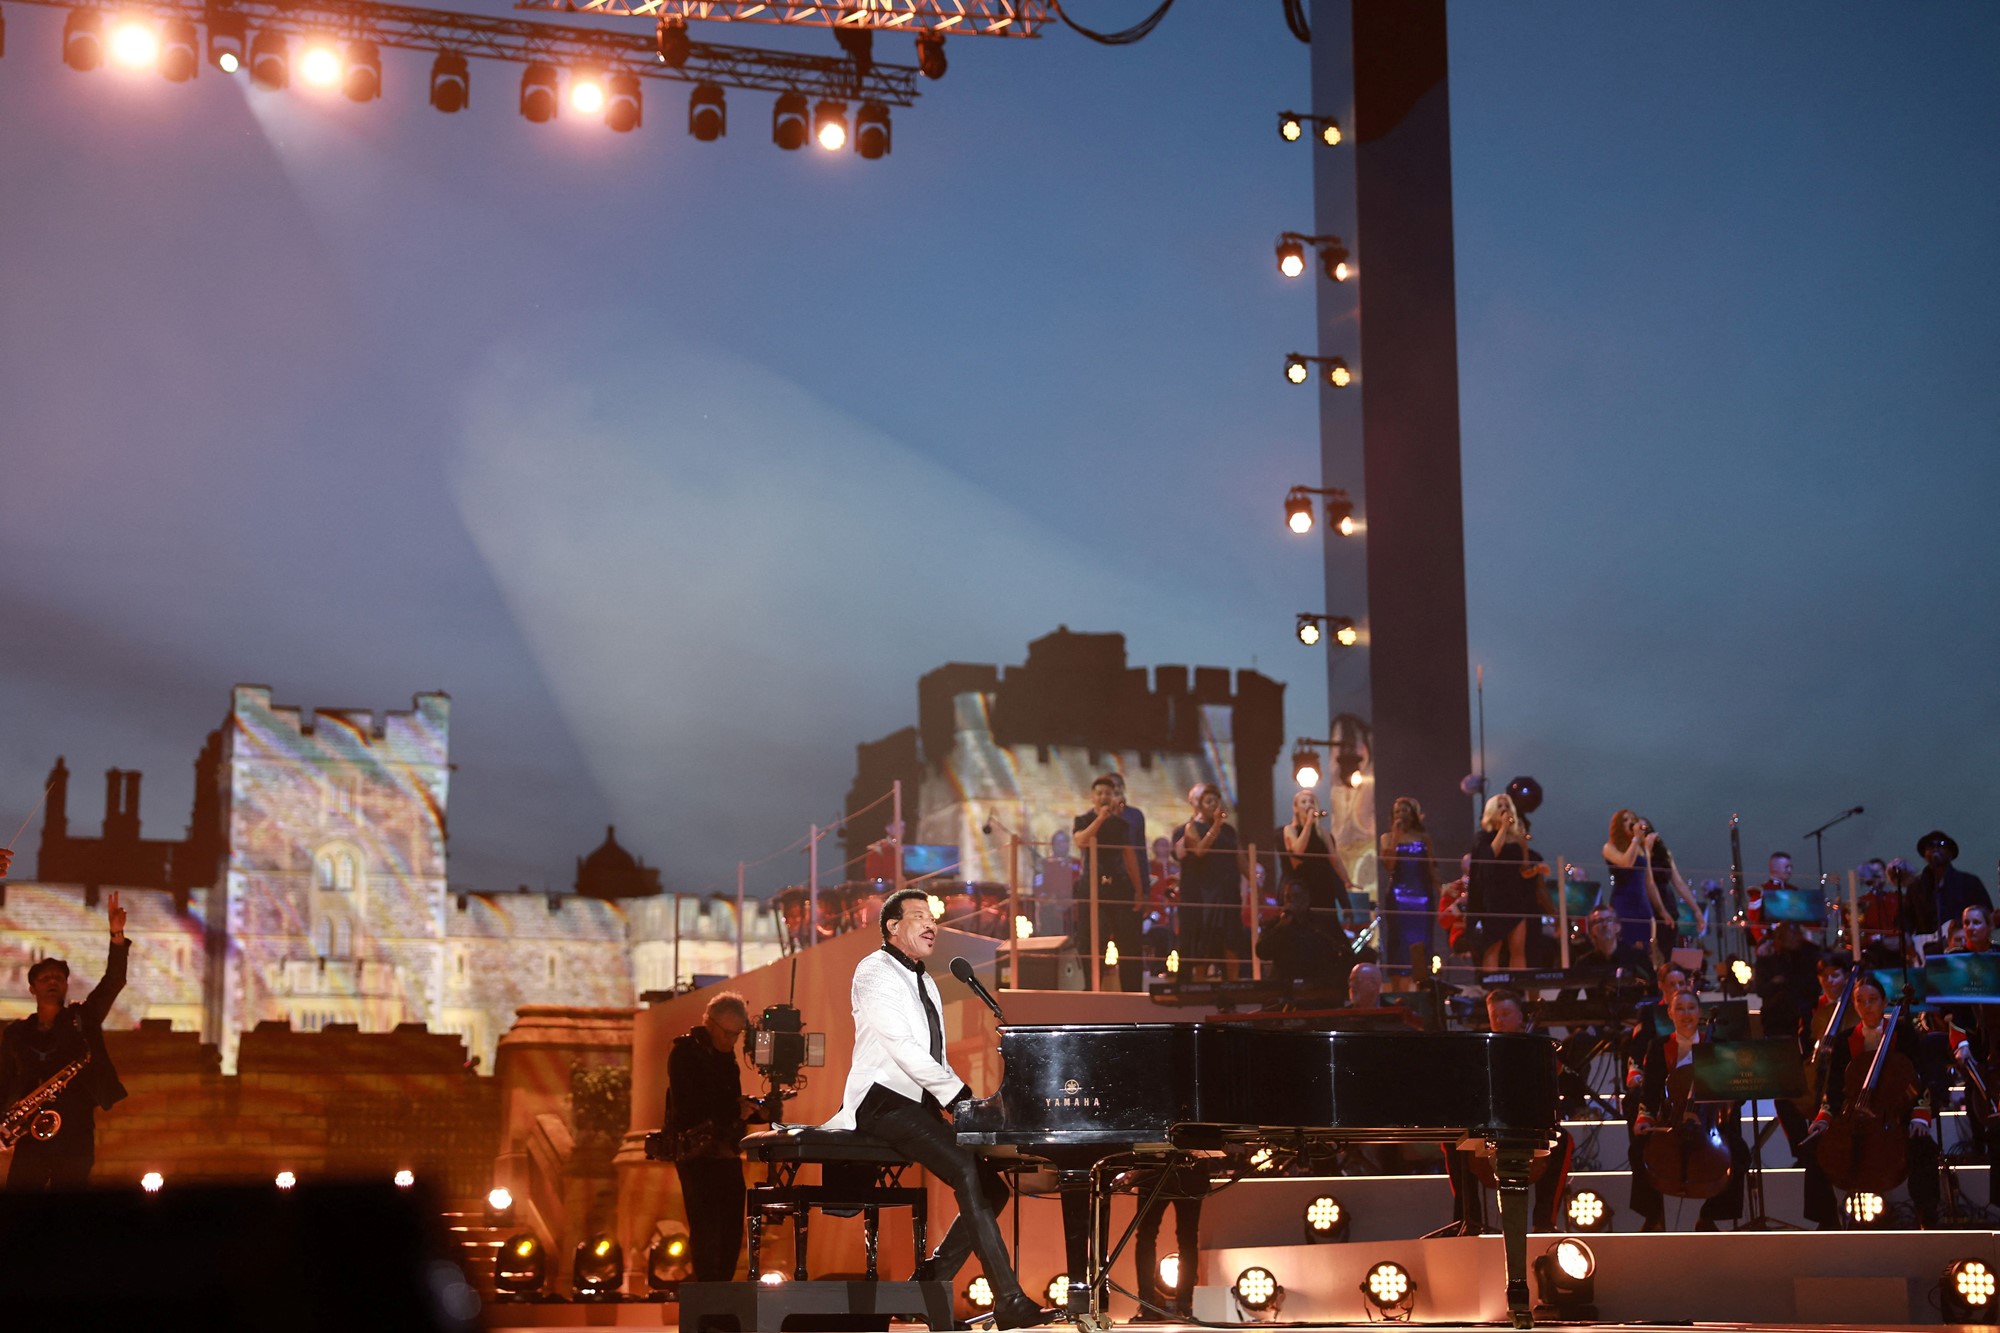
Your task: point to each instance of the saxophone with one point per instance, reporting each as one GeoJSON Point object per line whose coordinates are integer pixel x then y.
{"type": "Point", "coordinates": [33, 1115]}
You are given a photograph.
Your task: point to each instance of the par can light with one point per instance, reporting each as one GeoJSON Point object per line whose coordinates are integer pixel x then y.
{"type": "Point", "coordinates": [1968, 1293]}
{"type": "Point", "coordinates": [451, 82]}
{"type": "Point", "coordinates": [83, 40]}
{"type": "Point", "coordinates": [788, 121]}
{"type": "Point", "coordinates": [708, 113]}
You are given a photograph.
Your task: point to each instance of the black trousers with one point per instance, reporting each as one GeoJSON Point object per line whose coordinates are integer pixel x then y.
{"type": "Point", "coordinates": [923, 1136]}
{"type": "Point", "coordinates": [712, 1192]}
{"type": "Point", "coordinates": [1146, 1254]}
{"type": "Point", "coordinates": [60, 1163]}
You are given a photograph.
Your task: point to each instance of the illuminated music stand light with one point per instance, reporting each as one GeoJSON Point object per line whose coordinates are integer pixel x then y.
{"type": "Point", "coordinates": [1731, 1071]}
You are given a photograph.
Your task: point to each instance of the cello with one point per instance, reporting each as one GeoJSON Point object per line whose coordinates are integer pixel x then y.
{"type": "Point", "coordinates": [1688, 1159]}
{"type": "Point", "coordinates": [1867, 1146]}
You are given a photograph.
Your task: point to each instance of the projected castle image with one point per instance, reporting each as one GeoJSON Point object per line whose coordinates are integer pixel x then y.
{"type": "Point", "coordinates": [311, 889]}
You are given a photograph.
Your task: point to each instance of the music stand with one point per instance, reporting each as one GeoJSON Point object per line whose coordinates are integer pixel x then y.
{"type": "Point", "coordinates": [1735, 1071]}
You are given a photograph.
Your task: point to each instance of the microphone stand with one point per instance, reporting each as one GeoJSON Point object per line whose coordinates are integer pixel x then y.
{"type": "Point", "coordinates": [1818, 836]}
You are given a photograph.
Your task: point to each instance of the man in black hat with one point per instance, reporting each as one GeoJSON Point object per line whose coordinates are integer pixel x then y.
{"type": "Point", "coordinates": [1943, 892]}
{"type": "Point", "coordinates": [36, 1048]}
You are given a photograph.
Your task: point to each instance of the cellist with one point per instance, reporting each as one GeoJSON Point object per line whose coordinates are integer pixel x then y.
{"type": "Point", "coordinates": [1670, 1053]}
{"type": "Point", "coordinates": [1852, 1056]}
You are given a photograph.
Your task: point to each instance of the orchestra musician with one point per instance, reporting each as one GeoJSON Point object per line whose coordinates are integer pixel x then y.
{"type": "Point", "coordinates": [1821, 1207]}
{"type": "Point", "coordinates": [898, 1086]}
{"type": "Point", "coordinates": [1506, 1011]}
{"type": "Point", "coordinates": [1780, 871]}
{"type": "Point", "coordinates": [1672, 1052]}
{"type": "Point", "coordinates": [1860, 1045]}
{"type": "Point", "coordinates": [1300, 948]}
{"type": "Point", "coordinates": [1971, 1033]}
{"type": "Point", "coordinates": [1364, 986]}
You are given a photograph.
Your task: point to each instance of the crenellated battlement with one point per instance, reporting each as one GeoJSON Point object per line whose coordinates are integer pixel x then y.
{"type": "Point", "coordinates": [417, 735]}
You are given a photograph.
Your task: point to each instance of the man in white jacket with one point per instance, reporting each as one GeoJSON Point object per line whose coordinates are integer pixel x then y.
{"type": "Point", "coordinates": [899, 1086]}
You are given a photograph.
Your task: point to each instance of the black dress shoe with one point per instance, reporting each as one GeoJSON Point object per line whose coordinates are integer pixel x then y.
{"type": "Point", "coordinates": [1018, 1310]}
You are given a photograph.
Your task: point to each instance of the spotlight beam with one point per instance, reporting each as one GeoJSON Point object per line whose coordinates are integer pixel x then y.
{"type": "Point", "coordinates": [954, 18]}
{"type": "Point", "coordinates": [532, 41]}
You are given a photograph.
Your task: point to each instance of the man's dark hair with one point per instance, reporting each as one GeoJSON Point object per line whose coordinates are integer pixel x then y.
{"type": "Point", "coordinates": [46, 963]}
{"type": "Point", "coordinates": [1105, 780]}
{"type": "Point", "coordinates": [1873, 983]}
{"type": "Point", "coordinates": [1508, 995]}
{"type": "Point", "coordinates": [892, 907]}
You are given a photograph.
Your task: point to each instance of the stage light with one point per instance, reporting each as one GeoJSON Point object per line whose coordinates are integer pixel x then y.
{"type": "Point", "coordinates": [708, 113]}
{"type": "Point", "coordinates": [180, 51]}
{"type": "Point", "coordinates": [1111, 953]}
{"type": "Point", "coordinates": [1305, 768]}
{"type": "Point", "coordinates": [1290, 127]}
{"type": "Point", "coordinates": [1326, 1220]}
{"type": "Point", "coordinates": [1340, 512]}
{"type": "Point", "coordinates": [930, 55]}
{"type": "Point", "coordinates": [598, 1268]}
{"type": "Point", "coordinates": [499, 1199]}
{"type": "Point", "coordinates": [1297, 369]}
{"type": "Point", "coordinates": [539, 102]}
{"type": "Point", "coordinates": [1291, 258]}
{"type": "Point", "coordinates": [1263, 1159]}
{"type": "Point", "coordinates": [451, 82]}
{"type": "Point", "coordinates": [1299, 511]}
{"type": "Point", "coordinates": [1741, 972]}
{"type": "Point", "coordinates": [319, 67]}
{"type": "Point", "coordinates": [788, 121]}
{"type": "Point", "coordinates": [1355, 779]}
{"type": "Point", "coordinates": [830, 125]}
{"type": "Point", "coordinates": [362, 79]}
{"type": "Point", "coordinates": [1329, 131]}
{"type": "Point", "coordinates": [622, 107]}
{"type": "Point", "coordinates": [667, 1262]}
{"type": "Point", "coordinates": [771, 1277]}
{"type": "Point", "coordinates": [83, 40]}
{"type": "Point", "coordinates": [1308, 629]}
{"type": "Point", "coordinates": [1023, 927]}
{"type": "Point", "coordinates": [1058, 1290]}
{"type": "Point", "coordinates": [1344, 631]}
{"type": "Point", "coordinates": [520, 1268]}
{"type": "Point", "coordinates": [1565, 1281]}
{"type": "Point", "coordinates": [1173, 961]}
{"type": "Point", "coordinates": [1337, 373]}
{"type": "Point", "coordinates": [1170, 1272]}
{"type": "Point", "coordinates": [1587, 1211]}
{"type": "Point", "coordinates": [1967, 1295]}
{"type": "Point", "coordinates": [1257, 1291]}
{"type": "Point", "coordinates": [871, 131]}
{"type": "Point", "coordinates": [405, 1178]}
{"type": "Point", "coordinates": [1389, 1289]}
{"type": "Point", "coordinates": [1865, 1210]}
{"type": "Point", "coordinates": [586, 93]}
{"type": "Point", "coordinates": [135, 44]}
{"type": "Point", "coordinates": [670, 42]}
{"type": "Point", "coordinates": [270, 63]}
{"type": "Point", "coordinates": [285, 1180]}
{"type": "Point", "coordinates": [1333, 258]}
{"type": "Point", "coordinates": [979, 1293]}
{"type": "Point", "coordinates": [151, 1182]}
{"type": "Point", "coordinates": [228, 42]}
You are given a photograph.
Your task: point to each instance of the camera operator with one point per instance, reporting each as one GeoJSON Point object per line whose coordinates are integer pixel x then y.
{"type": "Point", "coordinates": [706, 1110]}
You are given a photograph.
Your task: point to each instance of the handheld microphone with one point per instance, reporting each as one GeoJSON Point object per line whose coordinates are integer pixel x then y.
{"type": "Point", "coordinates": [963, 971]}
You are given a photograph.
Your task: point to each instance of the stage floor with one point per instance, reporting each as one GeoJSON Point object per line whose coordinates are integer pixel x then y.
{"type": "Point", "coordinates": [1721, 1280]}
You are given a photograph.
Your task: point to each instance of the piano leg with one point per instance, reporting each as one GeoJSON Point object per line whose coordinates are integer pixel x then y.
{"type": "Point", "coordinates": [1079, 1215]}
{"type": "Point", "coordinates": [1510, 1169]}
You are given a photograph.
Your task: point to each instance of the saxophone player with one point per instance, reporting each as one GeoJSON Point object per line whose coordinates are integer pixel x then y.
{"type": "Point", "coordinates": [57, 1034]}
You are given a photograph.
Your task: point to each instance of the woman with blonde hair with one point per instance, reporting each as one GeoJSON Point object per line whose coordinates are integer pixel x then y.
{"type": "Point", "coordinates": [1500, 893]}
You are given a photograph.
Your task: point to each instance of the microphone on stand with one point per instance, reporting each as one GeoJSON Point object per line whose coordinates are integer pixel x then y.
{"type": "Point", "coordinates": [963, 971]}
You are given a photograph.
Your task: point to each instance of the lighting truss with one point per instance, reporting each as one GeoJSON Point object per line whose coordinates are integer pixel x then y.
{"type": "Point", "coordinates": [983, 18]}
{"type": "Point", "coordinates": [532, 41]}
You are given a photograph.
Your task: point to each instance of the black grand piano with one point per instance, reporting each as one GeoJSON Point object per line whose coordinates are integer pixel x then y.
{"type": "Point", "coordinates": [1089, 1099]}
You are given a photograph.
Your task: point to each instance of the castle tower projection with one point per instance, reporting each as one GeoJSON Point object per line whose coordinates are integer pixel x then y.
{"type": "Point", "coordinates": [1022, 746]}
{"type": "Point", "coordinates": [333, 906]}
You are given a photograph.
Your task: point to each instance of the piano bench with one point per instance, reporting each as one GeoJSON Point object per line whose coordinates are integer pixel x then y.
{"type": "Point", "coordinates": [857, 1174]}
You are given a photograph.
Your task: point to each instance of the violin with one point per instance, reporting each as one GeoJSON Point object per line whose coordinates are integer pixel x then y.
{"type": "Point", "coordinates": [1820, 1062]}
{"type": "Point", "coordinates": [1867, 1147]}
{"type": "Point", "coordinates": [1688, 1158]}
